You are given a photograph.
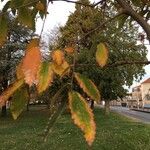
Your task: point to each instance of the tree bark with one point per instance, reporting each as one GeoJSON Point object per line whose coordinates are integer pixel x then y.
{"type": "Point", "coordinates": [107, 108]}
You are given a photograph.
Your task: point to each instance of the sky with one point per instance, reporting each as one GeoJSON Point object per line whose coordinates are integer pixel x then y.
{"type": "Point", "coordinates": [58, 15]}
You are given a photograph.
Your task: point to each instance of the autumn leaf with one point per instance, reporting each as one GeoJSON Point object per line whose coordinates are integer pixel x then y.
{"type": "Point", "coordinates": [40, 6]}
{"type": "Point", "coordinates": [10, 90]}
{"type": "Point", "coordinates": [82, 116]}
{"type": "Point", "coordinates": [62, 69]}
{"type": "Point", "coordinates": [101, 54]}
{"type": "Point", "coordinates": [45, 76]}
{"type": "Point", "coordinates": [19, 71]}
{"type": "Point", "coordinates": [3, 29]}
{"type": "Point", "coordinates": [58, 57]}
{"type": "Point", "coordinates": [33, 43]}
{"type": "Point", "coordinates": [19, 101]}
{"type": "Point", "coordinates": [31, 63]}
{"type": "Point", "coordinates": [69, 50]}
{"type": "Point", "coordinates": [88, 86]}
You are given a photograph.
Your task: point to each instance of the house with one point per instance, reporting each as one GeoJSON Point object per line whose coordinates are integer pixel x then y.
{"type": "Point", "coordinates": [136, 100]}
{"type": "Point", "coordinates": [141, 94]}
{"type": "Point", "coordinates": [145, 92]}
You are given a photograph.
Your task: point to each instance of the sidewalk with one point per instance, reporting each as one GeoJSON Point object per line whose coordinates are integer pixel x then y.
{"type": "Point", "coordinates": [146, 110]}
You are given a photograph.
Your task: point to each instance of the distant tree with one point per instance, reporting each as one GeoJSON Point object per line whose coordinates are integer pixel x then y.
{"type": "Point", "coordinates": [11, 53]}
{"type": "Point", "coordinates": [120, 42]}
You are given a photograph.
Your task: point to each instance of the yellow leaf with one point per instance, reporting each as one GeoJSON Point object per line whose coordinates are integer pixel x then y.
{"type": "Point", "coordinates": [31, 64]}
{"type": "Point", "coordinates": [69, 50]}
{"type": "Point", "coordinates": [88, 87]}
{"type": "Point", "coordinates": [58, 57]}
{"type": "Point", "coordinates": [101, 54]}
{"type": "Point", "coordinates": [82, 116]}
{"type": "Point", "coordinates": [45, 76]}
{"type": "Point", "coordinates": [62, 69]}
{"type": "Point", "coordinates": [10, 90]}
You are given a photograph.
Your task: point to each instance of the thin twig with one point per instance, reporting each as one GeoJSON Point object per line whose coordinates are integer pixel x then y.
{"type": "Point", "coordinates": [44, 20]}
{"type": "Point", "coordinates": [73, 69]}
{"type": "Point", "coordinates": [99, 2]}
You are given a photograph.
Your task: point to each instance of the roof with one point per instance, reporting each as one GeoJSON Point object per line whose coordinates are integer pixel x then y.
{"type": "Point", "coordinates": [136, 87]}
{"type": "Point", "coordinates": [146, 81]}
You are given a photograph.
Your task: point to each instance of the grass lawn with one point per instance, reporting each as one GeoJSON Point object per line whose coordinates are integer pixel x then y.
{"type": "Point", "coordinates": [113, 133]}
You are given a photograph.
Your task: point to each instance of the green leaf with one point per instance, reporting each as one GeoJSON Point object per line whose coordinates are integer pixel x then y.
{"type": "Point", "coordinates": [101, 54]}
{"type": "Point", "coordinates": [19, 100]}
{"type": "Point", "coordinates": [88, 86]}
{"type": "Point", "coordinates": [82, 116]}
{"type": "Point", "coordinates": [3, 29]}
{"type": "Point", "coordinates": [25, 17]}
{"type": "Point", "coordinates": [45, 76]}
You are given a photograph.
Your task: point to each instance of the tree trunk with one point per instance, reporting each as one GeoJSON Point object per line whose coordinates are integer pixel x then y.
{"type": "Point", "coordinates": [107, 108]}
{"type": "Point", "coordinates": [28, 91]}
{"type": "Point", "coordinates": [92, 104]}
{"type": "Point", "coordinates": [28, 105]}
{"type": "Point", "coordinates": [4, 111]}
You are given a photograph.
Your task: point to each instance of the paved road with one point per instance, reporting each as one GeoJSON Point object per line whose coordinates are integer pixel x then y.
{"type": "Point", "coordinates": [141, 116]}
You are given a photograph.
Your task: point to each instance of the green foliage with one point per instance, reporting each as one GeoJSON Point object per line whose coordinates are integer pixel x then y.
{"type": "Point", "coordinates": [19, 101]}
{"type": "Point", "coordinates": [25, 17]}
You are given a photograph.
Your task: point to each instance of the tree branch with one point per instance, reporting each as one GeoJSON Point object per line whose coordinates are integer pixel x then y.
{"type": "Point", "coordinates": [74, 2]}
{"type": "Point", "coordinates": [131, 12]}
{"type": "Point", "coordinates": [116, 64]}
{"type": "Point", "coordinates": [103, 24]}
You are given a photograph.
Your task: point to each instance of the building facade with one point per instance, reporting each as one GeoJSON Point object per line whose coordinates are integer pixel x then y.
{"type": "Point", "coordinates": [141, 94]}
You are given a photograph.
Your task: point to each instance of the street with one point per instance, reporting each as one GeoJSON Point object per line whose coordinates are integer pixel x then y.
{"type": "Point", "coordinates": [141, 116]}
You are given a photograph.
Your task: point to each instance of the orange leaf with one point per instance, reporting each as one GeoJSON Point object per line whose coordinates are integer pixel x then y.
{"type": "Point", "coordinates": [19, 71]}
{"type": "Point", "coordinates": [69, 50]}
{"type": "Point", "coordinates": [40, 6]}
{"type": "Point", "coordinates": [10, 90]}
{"type": "Point", "coordinates": [82, 116]}
{"type": "Point", "coordinates": [58, 57]}
{"type": "Point", "coordinates": [31, 63]}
